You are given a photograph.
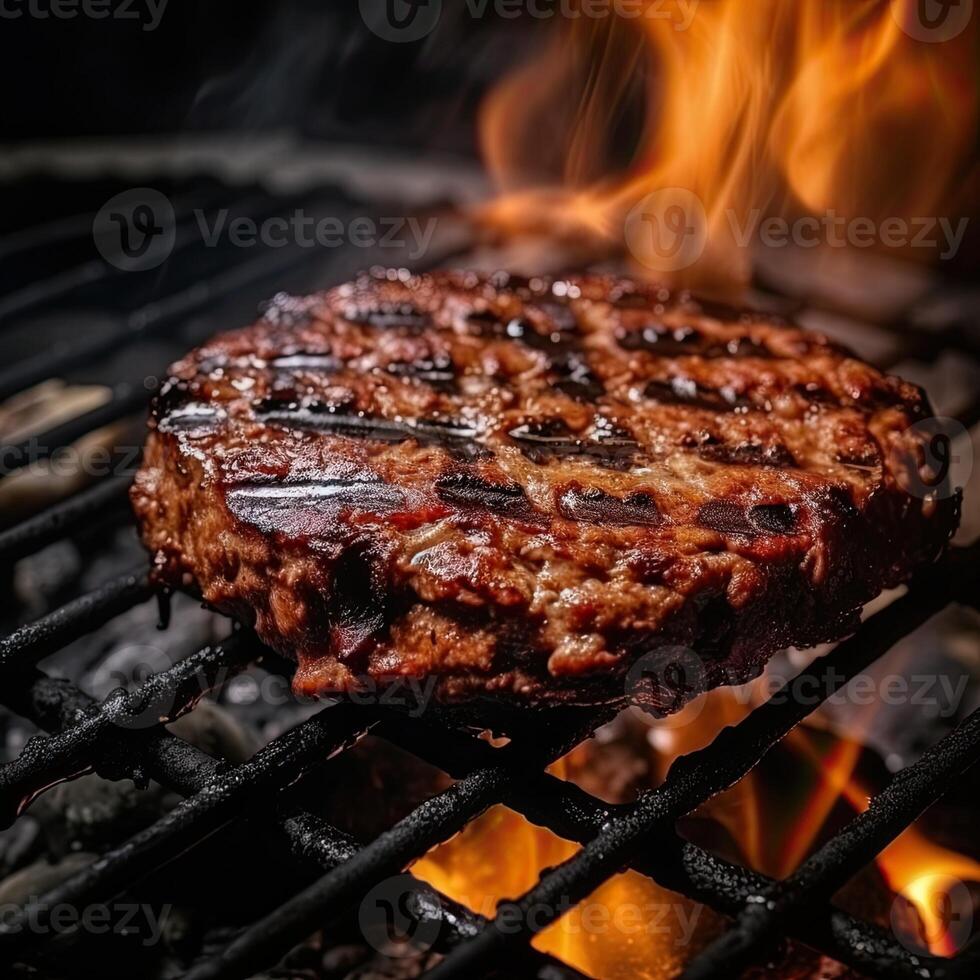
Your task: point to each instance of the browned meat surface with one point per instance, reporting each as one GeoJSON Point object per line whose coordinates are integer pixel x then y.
{"type": "Point", "coordinates": [515, 488]}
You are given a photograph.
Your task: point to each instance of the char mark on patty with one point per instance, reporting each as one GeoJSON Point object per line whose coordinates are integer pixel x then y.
{"type": "Point", "coordinates": [457, 438]}
{"type": "Point", "coordinates": [688, 342]}
{"type": "Point", "coordinates": [608, 445]}
{"type": "Point", "coordinates": [747, 454]}
{"type": "Point", "coordinates": [557, 338]}
{"type": "Point", "coordinates": [463, 489]}
{"type": "Point", "coordinates": [272, 506]}
{"type": "Point", "coordinates": [735, 519]}
{"type": "Point", "coordinates": [303, 360]}
{"type": "Point", "coordinates": [591, 505]}
{"type": "Point", "coordinates": [389, 316]}
{"type": "Point", "coordinates": [437, 371]}
{"type": "Point", "coordinates": [686, 391]}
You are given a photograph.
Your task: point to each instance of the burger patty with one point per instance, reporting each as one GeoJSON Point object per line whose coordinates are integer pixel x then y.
{"type": "Point", "coordinates": [515, 489]}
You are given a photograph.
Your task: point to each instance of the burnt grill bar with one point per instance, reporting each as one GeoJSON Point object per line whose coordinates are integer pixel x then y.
{"type": "Point", "coordinates": [104, 498]}
{"type": "Point", "coordinates": [154, 753]}
{"type": "Point", "coordinates": [428, 825]}
{"type": "Point", "coordinates": [910, 792]}
{"type": "Point", "coordinates": [142, 323]}
{"type": "Point", "coordinates": [32, 643]}
{"type": "Point", "coordinates": [227, 791]}
{"type": "Point", "coordinates": [165, 697]}
{"type": "Point", "coordinates": [676, 864]}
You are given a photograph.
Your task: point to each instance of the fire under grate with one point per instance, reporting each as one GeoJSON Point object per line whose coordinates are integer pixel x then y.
{"type": "Point", "coordinates": [86, 735]}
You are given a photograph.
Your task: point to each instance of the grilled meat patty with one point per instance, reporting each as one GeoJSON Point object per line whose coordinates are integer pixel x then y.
{"type": "Point", "coordinates": [513, 489]}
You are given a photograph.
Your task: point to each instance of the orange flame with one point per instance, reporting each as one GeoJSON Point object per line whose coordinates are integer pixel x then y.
{"type": "Point", "coordinates": [809, 108]}
{"type": "Point", "coordinates": [922, 872]}
{"type": "Point", "coordinates": [631, 927]}
{"type": "Point", "coordinates": [628, 929]}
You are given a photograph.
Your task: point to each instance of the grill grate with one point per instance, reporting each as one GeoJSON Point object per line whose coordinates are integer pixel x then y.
{"type": "Point", "coordinates": [123, 738]}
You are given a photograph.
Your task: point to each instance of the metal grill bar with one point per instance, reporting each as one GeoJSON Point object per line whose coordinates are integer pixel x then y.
{"type": "Point", "coordinates": [126, 400]}
{"type": "Point", "coordinates": [696, 777]}
{"type": "Point", "coordinates": [145, 321]}
{"type": "Point", "coordinates": [164, 697]}
{"type": "Point", "coordinates": [103, 498]}
{"type": "Point", "coordinates": [428, 825]}
{"type": "Point", "coordinates": [43, 291]}
{"type": "Point", "coordinates": [55, 704]}
{"type": "Point", "coordinates": [32, 643]}
{"type": "Point", "coordinates": [910, 792]}
{"type": "Point", "coordinates": [676, 864]}
{"type": "Point", "coordinates": [219, 800]}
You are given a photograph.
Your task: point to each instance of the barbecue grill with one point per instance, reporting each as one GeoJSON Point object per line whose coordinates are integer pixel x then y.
{"type": "Point", "coordinates": [123, 738]}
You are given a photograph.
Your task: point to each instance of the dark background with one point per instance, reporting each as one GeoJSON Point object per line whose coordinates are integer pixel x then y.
{"type": "Point", "coordinates": [308, 65]}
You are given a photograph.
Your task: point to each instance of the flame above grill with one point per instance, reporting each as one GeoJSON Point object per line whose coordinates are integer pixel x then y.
{"type": "Point", "coordinates": [722, 116]}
